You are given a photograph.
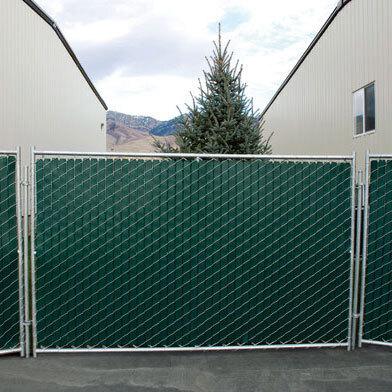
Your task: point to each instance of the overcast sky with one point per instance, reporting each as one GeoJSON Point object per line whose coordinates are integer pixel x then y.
{"type": "Point", "coordinates": [144, 56]}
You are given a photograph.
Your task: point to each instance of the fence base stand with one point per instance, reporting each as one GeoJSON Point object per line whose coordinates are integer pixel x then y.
{"type": "Point", "coordinates": [10, 351]}
{"type": "Point", "coordinates": [377, 342]}
{"type": "Point", "coordinates": [185, 349]}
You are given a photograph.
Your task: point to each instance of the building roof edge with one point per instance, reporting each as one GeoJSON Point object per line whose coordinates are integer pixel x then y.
{"type": "Point", "coordinates": [54, 26]}
{"type": "Point", "coordinates": [330, 19]}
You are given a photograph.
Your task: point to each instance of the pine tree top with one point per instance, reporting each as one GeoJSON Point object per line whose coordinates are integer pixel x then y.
{"type": "Point", "coordinates": [221, 119]}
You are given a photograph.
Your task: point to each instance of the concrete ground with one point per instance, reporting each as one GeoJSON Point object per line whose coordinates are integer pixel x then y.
{"type": "Point", "coordinates": [299, 370]}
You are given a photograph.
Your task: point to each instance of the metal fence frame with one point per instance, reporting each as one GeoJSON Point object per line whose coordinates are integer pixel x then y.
{"type": "Point", "coordinates": [21, 240]}
{"type": "Point", "coordinates": [72, 154]}
{"type": "Point", "coordinates": [357, 258]}
{"type": "Point", "coordinates": [362, 316]}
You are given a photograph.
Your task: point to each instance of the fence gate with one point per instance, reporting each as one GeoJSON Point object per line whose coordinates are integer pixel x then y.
{"type": "Point", "coordinates": [215, 252]}
{"type": "Point", "coordinates": [376, 299]}
{"type": "Point", "coordinates": [11, 255]}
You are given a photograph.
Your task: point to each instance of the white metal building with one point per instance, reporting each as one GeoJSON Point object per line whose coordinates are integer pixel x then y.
{"type": "Point", "coordinates": [46, 97]}
{"type": "Point", "coordinates": [338, 97]}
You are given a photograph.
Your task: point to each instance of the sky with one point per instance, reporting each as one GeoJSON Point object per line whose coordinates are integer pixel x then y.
{"type": "Point", "coordinates": [146, 56]}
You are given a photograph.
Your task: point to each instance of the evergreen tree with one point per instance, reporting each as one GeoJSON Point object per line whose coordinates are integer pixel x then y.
{"type": "Point", "coordinates": [222, 119]}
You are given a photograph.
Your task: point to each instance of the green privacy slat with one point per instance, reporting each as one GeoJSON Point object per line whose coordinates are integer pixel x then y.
{"type": "Point", "coordinates": [187, 253]}
{"type": "Point", "coordinates": [9, 299]}
{"type": "Point", "coordinates": [378, 293]}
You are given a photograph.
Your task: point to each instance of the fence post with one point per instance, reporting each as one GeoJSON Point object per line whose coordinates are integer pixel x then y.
{"type": "Point", "coordinates": [357, 259]}
{"type": "Point", "coordinates": [352, 250]}
{"type": "Point", "coordinates": [19, 183]}
{"type": "Point", "coordinates": [364, 248]}
{"type": "Point", "coordinates": [33, 252]}
{"type": "Point", "coordinates": [27, 321]}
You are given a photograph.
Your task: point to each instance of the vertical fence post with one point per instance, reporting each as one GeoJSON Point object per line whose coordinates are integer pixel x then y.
{"type": "Point", "coordinates": [364, 248]}
{"type": "Point", "coordinates": [33, 253]}
{"type": "Point", "coordinates": [26, 260]}
{"type": "Point", "coordinates": [350, 315]}
{"type": "Point", "coordinates": [18, 180]}
{"type": "Point", "coordinates": [357, 259]}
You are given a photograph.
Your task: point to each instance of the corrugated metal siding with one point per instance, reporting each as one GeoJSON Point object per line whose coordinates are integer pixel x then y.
{"type": "Point", "coordinates": [44, 98]}
{"type": "Point", "coordinates": [314, 112]}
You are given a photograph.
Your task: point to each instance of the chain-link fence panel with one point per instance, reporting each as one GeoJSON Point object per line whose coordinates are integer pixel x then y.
{"type": "Point", "coordinates": [377, 267]}
{"type": "Point", "coordinates": [184, 253]}
{"type": "Point", "coordinates": [11, 334]}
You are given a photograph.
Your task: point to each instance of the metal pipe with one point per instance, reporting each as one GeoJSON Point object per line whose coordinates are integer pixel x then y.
{"type": "Point", "coordinates": [357, 258]}
{"type": "Point", "coordinates": [350, 308]}
{"type": "Point", "coordinates": [19, 225]}
{"type": "Point", "coordinates": [379, 343]}
{"type": "Point", "coordinates": [5, 152]}
{"type": "Point", "coordinates": [168, 349]}
{"type": "Point", "coordinates": [26, 261]}
{"type": "Point", "coordinates": [386, 156]}
{"type": "Point", "coordinates": [193, 155]}
{"type": "Point", "coordinates": [364, 248]}
{"type": "Point", "coordinates": [33, 253]}
{"type": "Point", "coordinates": [10, 351]}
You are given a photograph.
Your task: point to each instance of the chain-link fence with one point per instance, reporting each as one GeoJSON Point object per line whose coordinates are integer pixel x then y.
{"type": "Point", "coordinates": [207, 252]}
{"type": "Point", "coordinates": [185, 253]}
{"type": "Point", "coordinates": [376, 299]}
{"type": "Point", "coordinates": [11, 262]}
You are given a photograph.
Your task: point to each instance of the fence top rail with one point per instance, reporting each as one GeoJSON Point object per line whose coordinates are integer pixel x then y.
{"type": "Point", "coordinates": [5, 152]}
{"type": "Point", "coordinates": [191, 155]}
{"type": "Point", "coordinates": [381, 156]}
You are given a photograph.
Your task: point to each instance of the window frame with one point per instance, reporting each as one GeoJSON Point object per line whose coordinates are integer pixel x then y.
{"type": "Point", "coordinates": [355, 135]}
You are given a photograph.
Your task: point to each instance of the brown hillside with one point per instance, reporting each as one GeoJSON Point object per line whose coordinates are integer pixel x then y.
{"type": "Point", "coordinates": [143, 144]}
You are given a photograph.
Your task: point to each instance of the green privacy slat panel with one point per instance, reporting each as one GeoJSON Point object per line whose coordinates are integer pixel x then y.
{"type": "Point", "coordinates": [134, 253]}
{"type": "Point", "coordinates": [9, 289]}
{"type": "Point", "coordinates": [378, 297]}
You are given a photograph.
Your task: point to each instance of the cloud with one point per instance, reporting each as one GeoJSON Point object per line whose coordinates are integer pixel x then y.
{"type": "Point", "coordinates": [147, 96]}
{"type": "Point", "coordinates": [154, 50]}
{"type": "Point", "coordinates": [145, 55]}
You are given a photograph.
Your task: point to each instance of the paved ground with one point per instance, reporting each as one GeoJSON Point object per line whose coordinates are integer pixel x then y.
{"type": "Point", "coordinates": [368, 369]}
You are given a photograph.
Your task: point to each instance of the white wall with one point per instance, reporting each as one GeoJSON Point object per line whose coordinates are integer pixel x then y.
{"type": "Point", "coordinates": [44, 99]}
{"type": "Point", "coordinates": [313, 114]}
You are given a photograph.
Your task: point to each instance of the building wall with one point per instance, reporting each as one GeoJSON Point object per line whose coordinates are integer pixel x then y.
{"type": "Point", "coordinates": [313, 114]}
{"type": "Point", "coordinates": [44, 99]}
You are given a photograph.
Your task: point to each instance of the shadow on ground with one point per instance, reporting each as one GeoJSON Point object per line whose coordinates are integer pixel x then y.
{"type": "Point", "coordinates": [301, 370]}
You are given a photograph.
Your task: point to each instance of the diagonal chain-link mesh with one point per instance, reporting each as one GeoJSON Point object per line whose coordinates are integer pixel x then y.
{"type": "Point", "coordinates": [9, 281]}
{"type": "Point", "coordinates": [378, 292]}
{"type": "Point", "coordinates": [134, 253]}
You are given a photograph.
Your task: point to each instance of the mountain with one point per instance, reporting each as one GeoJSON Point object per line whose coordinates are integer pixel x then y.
{"type": "Point", "coordinates": [165, 128]}
{"type": "Point", "coordinates": [124, 128]}
{"type": "Point", "coordinates": [140, 123]}
{"type": "Point", "coordinates": [125, 132]}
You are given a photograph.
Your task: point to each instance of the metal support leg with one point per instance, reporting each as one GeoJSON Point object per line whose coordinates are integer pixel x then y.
{"type": "Point", "coordinates": [20, 250]}
{"type": "Point", "coordinates": [26, 261]}
{"type": "Point", "coordinates": [352, 250]}
{"type": "Point", "coordinates": [358, 239]}
{"type": "Point", "coordinates": [364, 248]}
{"type": "Point", "coordinates": [33, 211]}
